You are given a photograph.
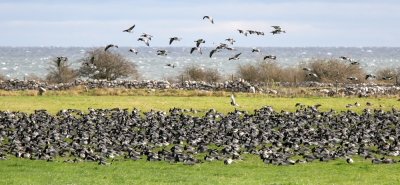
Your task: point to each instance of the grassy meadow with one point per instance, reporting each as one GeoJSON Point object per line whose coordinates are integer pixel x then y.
{"type": "Point", "coordinates": [249, 171]}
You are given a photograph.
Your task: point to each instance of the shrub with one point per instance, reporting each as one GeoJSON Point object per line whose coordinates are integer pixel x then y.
{"type": "Point", "coordinates": [201, 74]}
{"type": "Point", "coordinates": [33, 77]}
{"type": "Point", "coordinates": [330, 70]}
{"type": "Point", "coordinates": [387, 74]}
{"type": "Point", "coordinates": [3, 77]}
{"type": "Point", "coordinates": [60, 71]}
{"type": "Point", "coordinates": [100, 64]}
{"type": "Point", "coordinates": [269, 71]}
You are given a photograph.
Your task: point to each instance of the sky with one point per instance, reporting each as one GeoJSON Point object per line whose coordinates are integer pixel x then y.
{"type": "Point", "coordinates": [308, 23]}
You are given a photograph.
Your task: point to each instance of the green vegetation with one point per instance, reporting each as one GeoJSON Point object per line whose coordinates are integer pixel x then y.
{"type": "Point", "coordinates": [249, 171]}
{"type": "Point", "coordinates": [221, 103]}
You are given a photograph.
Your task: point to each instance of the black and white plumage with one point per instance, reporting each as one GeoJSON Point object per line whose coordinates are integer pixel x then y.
{"type": "Point", "coordinates": [130, 29]}
{"type": "Point", "coordinates": [230, 40]}
{"type": "Point", "coordinates": [199, 41]}
{"type": "Point", "coordinates": [162, 52]}
{"type": "Point", "coordinates": [109, 46]}
{"type": "Point", "coordinates": [277, 30]}
{"type": "Point", "coordinates": [312, 75]}
{"type": "Point", "coordinates": [255, 50]}
{"type": "Point", "coordinates": [352, 78]}
{"type": "Point", "coordinates": [233, 101]}
{"type": "Point", "coordinates": [236, 57]}
{"type": "Point", "coordinates": [170, 65]}
{"type": "Point", "coordinates": [387, 78]}
{"type": "Point", "coordinates": [61, 59]}
{"type": "Point", "coordinates": [349, 160]}
{"type": "Point", "coordinates": [145, 35]}
{"type": "Point", "coordinates": [213, 51]}
{"type": "Point", "coordinates": [133, 50]}
{"type": "Point", "coordinates": [172, 39]}
{"type": "Point", "coordinates": [145, 40]}
{"type": "Point", "coordinates": [209, 18]}
{"type": "Point", "coordinates": [345, 58]}
{"type": "Point", "coordinates": [196, 48]}
{"type": "Point", "coordinates": [242, 32]}
{"type": "Point", "coordinates": [272, 57]}
{"type": "Point", "coordinates": [306, 69]}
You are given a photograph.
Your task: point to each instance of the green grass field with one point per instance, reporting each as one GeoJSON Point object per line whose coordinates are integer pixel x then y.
{"type": "Point", "coordinates": [249, 171]}
{"type": "Point", "coordinates": [146, 103]}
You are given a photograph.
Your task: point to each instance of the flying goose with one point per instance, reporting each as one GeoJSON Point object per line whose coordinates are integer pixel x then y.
{"type": "Point", "coordinates": [352, 78]}
{"type": "Point", "coordinates": [170, 65]}
{"type": "Point", "coordinates": [162, 52]}
{"type": "Point", "coordinates": [230, 40]}
{"type": "Point", "coordinates": [236, 57]}
{"type": "Point", "coordinates": [172, 39]}
{"type": "Point", "coordinates": [196, 48]}
{"type": "Point", "coordinates": [387, 78]}
{"type": "Point", "coordinates": [209, 18]}
{"type": "Point", "coordinates": [199, 41]}
{"type": "Point", "coordinates": [278, 30]}
{"type": "Point", "coordinates": [273, 57]}
{"type": "Point", "coordinates": [148, 36]}
{"type": "Point", "coordinates": [369, 76]}
{"type": "Point", "coordinates": [255, 50]}
{"type": "Point", "coordinates": [213, 51]}
{"type": "Point", "coordinates": [133, 50]}
{"type": "Point", "coordinates": [313, 75]}
{"type": "Point", "coordinates": [145, 40]}
{"type": "Point", "coordinates": [109, 46]}
{"type": "Point", "coordinates": [129, 30]}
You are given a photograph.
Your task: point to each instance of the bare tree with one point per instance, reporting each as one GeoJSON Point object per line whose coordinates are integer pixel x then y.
{"type": "Point", "coordinates": [331, 70]}
{"type": "Point", "coordinates": [249, 72]}
{"type": "Point", "coordinates": [387, 74]}
{"type": "Point", "coordinates": [268, 71]}
{"type": "Point", "coordinates": [199, 74]}
{"type": "Point", "coordinates": [100, 64]}
{"type": "Point", "coordinates": [60, 71]}
{"type": "Point", "coordinates": [3, 78]}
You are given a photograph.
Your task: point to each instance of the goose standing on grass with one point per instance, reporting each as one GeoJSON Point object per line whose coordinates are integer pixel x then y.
{"type": "Point", "coordinates": [236, 57]}
{"type": "Point", "coordinates": [349, 160]}
{"type": "Point", "coordinates": [129, 30]}
{"type": "Point", "coordinates": [233, 101]}
{"type": "Point", "coordinates": [209, 18]}
{"type": "Point", "coordinates": [109, 46]}
{"type": "Point", "coordinates": [172, 39]}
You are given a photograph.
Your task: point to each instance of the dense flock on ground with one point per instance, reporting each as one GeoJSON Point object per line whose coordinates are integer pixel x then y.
{"type": "Point", "coordinates": [181, 136]}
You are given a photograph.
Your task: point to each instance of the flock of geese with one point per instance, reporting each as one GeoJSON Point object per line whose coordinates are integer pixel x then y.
{"type": "Point", "coordinates": [146, 39]}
